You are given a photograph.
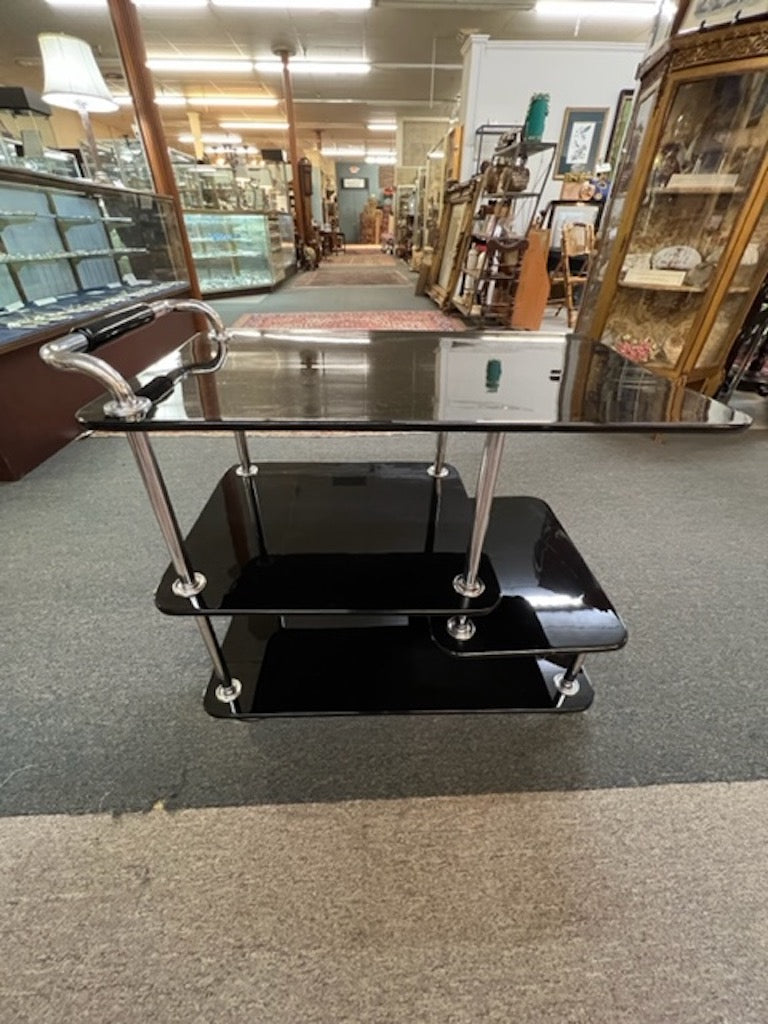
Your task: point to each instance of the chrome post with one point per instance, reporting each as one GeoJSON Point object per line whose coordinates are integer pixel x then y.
{"type": "Point", "coordinates": [246, 467]}
{"type": "Point", "coordinates": [468, 584]}
{"type": "Point", "coordinates": [189, 583]}
{"type": "Point", "coordinates": [438, 467]}
{"type": "Point", "coordinates": [566, 682]}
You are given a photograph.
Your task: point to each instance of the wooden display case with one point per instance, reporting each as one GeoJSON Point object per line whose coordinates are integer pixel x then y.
{"type": "Point", "coordinates": [684, 244]}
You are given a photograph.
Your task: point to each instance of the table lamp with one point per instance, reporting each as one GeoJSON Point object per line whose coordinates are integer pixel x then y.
{"type": "Point", "coordinates": [73, 81]}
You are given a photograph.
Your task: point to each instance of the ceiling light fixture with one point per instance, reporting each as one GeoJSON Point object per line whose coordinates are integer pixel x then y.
{"type": "Point", "coordinates": [166, 100]}
{"type": "Point", "coordinates": [297, 5]}
{"type": "Point", "coordinates": [385, 161]}
{"type": "Point", "coordinates": [314, 67]}
{"type": "Point", "coordinates": [159, 5]}
{"type": "Point", "coordinates": [382, 126]}
{"type": "Point", "coordinates": [623, 9]}
{"type": "Point", "coordinates": [436, 154]}
{"type": "Point", "coordinates": [213, 138]}
{"type": "Point", "coordinates": [144, 4]}
{"type": "Point", "coordinates": [232, 101]}
{"type": "Point", "coordinates": [277, 126]}
{"type": "Point", "coordinates": [195, 64]}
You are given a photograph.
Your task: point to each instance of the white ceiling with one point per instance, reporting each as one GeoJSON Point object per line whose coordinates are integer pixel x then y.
{"type": "Point", "coordinates": [414, 47]}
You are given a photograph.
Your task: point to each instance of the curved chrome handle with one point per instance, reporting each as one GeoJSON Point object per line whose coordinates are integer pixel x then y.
{"type": "Point", "coordinates": [73, 351]}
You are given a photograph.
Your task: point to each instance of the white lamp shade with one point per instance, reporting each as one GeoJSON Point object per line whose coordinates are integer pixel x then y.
{"type": "Point", "coordinates": [72, 76]}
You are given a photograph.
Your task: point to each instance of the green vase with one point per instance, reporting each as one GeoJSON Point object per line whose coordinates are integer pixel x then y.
{"type": "Point", "coordinates": [536, 118]}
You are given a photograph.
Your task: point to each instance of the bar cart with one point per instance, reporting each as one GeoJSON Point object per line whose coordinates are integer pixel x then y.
{"type": "Point", "coordinates": [379, 587]}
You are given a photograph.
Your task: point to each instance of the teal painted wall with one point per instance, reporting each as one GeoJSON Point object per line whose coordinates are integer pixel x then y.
{"type": "Point", "coordinates": [352, 201]}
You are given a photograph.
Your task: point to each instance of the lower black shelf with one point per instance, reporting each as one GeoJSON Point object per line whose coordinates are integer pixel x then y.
{"type": "Point", "coordinates": [376, 671]}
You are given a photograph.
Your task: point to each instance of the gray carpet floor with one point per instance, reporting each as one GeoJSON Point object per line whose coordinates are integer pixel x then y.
{"type": "Point", "coordinates": [102, 694]}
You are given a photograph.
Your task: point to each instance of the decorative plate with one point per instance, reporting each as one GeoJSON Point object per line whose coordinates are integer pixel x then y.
{"type": "Point", "coordinates": [676, 257]}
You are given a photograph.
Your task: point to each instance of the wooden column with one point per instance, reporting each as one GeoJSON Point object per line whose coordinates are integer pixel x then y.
{"type": "Point", "coordinates": [298, 197]}
{"type": "Point", "coordinates": [130, 42]}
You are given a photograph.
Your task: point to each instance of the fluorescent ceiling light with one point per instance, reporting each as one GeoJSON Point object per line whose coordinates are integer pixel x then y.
{"type": "Point", "coordinates": [214, 138]}
{"type": "Point", "coordinates": [297, 5]}
{"type": "Point", "coordinates": [194, 64]}
{"type": "Point", "coordinates": [387, 161]}
{"type": "Point", "coordinates": [277, 126]}
{"type": "Point", "coordinates": [232, 101]}
{"type": "Point", "coordinates": [144, 4]}
{"type": "Point", "coordinates": [382, 126]}
{"type": "Point", "coordinates": [166, 100]}
{"type": "Point", "coordinates": [315, 67]}
{"type": "Point", "coordinates": [188, 5]}
{"type": "Point", "coordinates": [609, 9]}
{"type": "Point", "coordinates": [436, 154]}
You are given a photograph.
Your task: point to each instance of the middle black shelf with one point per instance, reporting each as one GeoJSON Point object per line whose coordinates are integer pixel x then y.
{"type": "Point", "coordinates": [357, 539]}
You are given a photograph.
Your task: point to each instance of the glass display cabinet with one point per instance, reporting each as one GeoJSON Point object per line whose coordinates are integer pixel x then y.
{"type": "Point", "coordinates": [238, 249]}
{"type": "Point", "coordinates": [69, 250]}
{"type": "Point", "coordinates": [684, 246]}
{"type": "Point", "coordinates": [241, 235]}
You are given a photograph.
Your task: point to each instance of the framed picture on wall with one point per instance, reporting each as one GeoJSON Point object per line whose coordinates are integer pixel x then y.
{"type": "Point", "coordinates": [354, 183]}
{"type": "Point", "coordinates": [561, 212]}
{"type": "Point", "coordinates": [619, 128]}
{"type": "Point", "coordinates": [718, 12]}
{"type": "Point", "coordinates": [580, 140]}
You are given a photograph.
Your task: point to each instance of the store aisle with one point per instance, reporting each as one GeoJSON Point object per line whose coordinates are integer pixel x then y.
{"type": "Point", "coordinates": [361, 279]}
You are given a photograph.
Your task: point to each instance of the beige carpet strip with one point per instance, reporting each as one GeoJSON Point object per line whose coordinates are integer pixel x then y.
{"type": "Point", "coordinates": [640, 906]}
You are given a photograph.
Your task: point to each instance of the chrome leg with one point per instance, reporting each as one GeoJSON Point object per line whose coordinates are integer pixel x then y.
{"type": "Point", "coordinates": [566, 682]}
{"type": "Point", "coordinates": [246, 467]}
{"type": "Point", "coordinates": [438, 467]}
{"type": "Point", "coordinates": [468, 584]}
{"type": "Point", "coordinates": [189, 583]}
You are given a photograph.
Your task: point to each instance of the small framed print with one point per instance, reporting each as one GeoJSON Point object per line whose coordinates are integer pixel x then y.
{"type": "Point", "coordinates": [718, 12]}
{"type": "Point", "coordinates": [354, 183]}
{"type": "Point", "coordinates": [580, 140]}
{"type": "Point", "coordinates": [619, 129]}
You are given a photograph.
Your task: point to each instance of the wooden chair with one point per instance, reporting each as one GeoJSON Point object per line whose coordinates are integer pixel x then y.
{"type": "Point", "coordinates": [577, 245]}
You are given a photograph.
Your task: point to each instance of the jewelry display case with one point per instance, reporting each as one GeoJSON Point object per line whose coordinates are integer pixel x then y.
{"type": "Point", "coordinates": [684, 246]}
{"type": "Point", "coordinates": [69, 250]}
{"type": "Point", "coordinates": [240, 250]}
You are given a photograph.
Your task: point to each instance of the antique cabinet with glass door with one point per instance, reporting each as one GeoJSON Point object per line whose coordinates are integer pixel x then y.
{"type": "Point", "coordinates": [684, 245]}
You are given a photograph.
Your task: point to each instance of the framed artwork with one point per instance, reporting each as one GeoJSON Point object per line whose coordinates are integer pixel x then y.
{"type": "Point", "coordinates": [718, 12]}
{"type": "Point", "coordinates": [561, 212]}
{"type": "Point", "coordinates": [619, 129]}
{"type": "Point", "coordinates": [580, 139]}
{"type": "Point", "coordinates": [354, 183]}
{"type": "Point", "coordinates": [454, 239]}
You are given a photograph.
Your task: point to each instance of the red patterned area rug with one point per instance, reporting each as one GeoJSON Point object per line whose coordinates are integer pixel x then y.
{"type": "Point", "coordinates": [377, 320]}
{"type": "Point", "coordinates": [357, 275]}
{"type": "Point", "coordinates": [359, 258]}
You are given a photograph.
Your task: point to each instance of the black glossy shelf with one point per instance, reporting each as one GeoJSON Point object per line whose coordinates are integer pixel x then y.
{"type": "Point", "coordinates": [350, 380]}
{"type": "Point", "coordinates": [353, 538]}
{"type": "Point", "coordinates": [386, 539]}
{"type": "Point", "coordinates": [551, 602]}
{"type": "Point", "coordinates": [369, 671]}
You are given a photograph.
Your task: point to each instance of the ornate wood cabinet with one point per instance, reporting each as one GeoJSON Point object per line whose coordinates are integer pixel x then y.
{"type": "Point", "coordinates": [684, 244]}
